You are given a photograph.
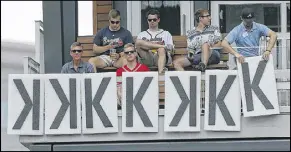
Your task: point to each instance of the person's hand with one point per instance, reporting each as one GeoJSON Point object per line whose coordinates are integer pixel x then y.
{"type": "Point", "coordinates": [111, 46]}
{"type": "Point", "coordinates": [114, 56]}
{"type": "Point", "coordinates": [120, 43]}
{"type": "Point", "coordinates": [190, 55]}
{"type": "Point", "coordinates": [240, 58]}
{"type": "Point", "coordinates": [160, 42]}
{"type": "Point", "coordinates": [266, 55]}
{"type": "Point", "coordinates": [121, 54]}
{"type": "Point", "coordinates": [170, 48]}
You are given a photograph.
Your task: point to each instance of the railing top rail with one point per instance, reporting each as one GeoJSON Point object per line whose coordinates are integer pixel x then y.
{"type": "Point", "coordinates": [258, 47]}
{"type": "Point", "coordinates": [39, 21]}
{"type": "Point", "coordinates": [285, 73]}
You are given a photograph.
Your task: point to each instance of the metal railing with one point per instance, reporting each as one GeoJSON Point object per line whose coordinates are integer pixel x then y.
{"type": "Point", "coordinates": [39, 44]}
{"type": "Point", "coordinates": [30, 66]}
{"type": "Point", "coordinates": [36, 65]}
{"type": "Point", "coordinates": [280, 52]}
{"type": "Point", "coordinates": [283, 89]}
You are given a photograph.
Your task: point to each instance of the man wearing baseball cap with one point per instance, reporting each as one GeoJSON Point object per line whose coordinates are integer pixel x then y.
{"type": "Point", "coordinates": [247, 37]}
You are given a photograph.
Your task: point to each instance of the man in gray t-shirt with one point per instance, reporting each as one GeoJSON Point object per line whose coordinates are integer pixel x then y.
{"type": "Point", "coordinates": [109, 42]}
{"type": "Point", "coordinates": [77, 65]}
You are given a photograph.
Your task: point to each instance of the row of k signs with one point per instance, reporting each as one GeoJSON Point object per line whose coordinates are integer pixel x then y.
{"type": "Point", "coordinates": [86, 103]}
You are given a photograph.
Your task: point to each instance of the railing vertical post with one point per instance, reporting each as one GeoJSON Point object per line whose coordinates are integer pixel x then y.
{"type": "Point", "coordinates": [37, 41]}
{"type": "Point", "coordinates": [39, 45]}
{"type": "Point", "coordinates": [284, 53]}
{"type": "Point", "coordinates": [25, 65]}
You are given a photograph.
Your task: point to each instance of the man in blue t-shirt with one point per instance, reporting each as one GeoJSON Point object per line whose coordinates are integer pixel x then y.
{"type": "Point", "coordinates": [247, 37]}
{"type": "Point", "coordinates": [109, 42]}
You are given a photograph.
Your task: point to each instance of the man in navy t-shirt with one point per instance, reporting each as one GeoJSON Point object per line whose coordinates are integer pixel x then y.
{"type": "Point", "coordinates": [109, 42]}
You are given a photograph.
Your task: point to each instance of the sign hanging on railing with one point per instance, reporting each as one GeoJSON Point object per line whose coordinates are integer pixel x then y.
{"type": "Point", "coordinates": [87, 103]}
{"type": "Point", "coordinates": [258, 87]}
{"type": "Point", "coordinates": [182, 101]}
{"type": "Point", "coordinates": [140, 102]}
{"type": "Point", "coordinates": [222, 101]}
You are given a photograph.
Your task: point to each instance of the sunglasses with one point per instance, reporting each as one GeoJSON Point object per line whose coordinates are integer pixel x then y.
{"type": "Point", "coordinates": [79, 51]}
{"type": "Point", "coordinates": [205, 16]}
{"type": "Point", "coordinates": [114, 22]}
{"type": "Point", "coordinates": [246, 18]}
{"type": "Point", "coordinates": [154, 19]}
{"type": "Point", "coordinates": [129, 52]}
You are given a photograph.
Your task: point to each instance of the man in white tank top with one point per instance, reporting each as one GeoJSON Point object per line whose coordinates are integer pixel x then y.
{"type": "Point", "coordinates": [155, 45]}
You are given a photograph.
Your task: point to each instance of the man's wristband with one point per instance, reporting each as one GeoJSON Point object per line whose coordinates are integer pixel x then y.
{"type": "Point", "coordinates": [268, 51]}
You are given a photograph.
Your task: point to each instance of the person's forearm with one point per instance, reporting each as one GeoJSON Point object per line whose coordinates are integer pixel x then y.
{"type": "Point", "coordinates": [228, 48]}
{"type": "Point", "coordinates": [148, 45]}
{"type": "Point", "coordinates": [100, 49]}
{"type": "Point", "coordinates": [272, 42]}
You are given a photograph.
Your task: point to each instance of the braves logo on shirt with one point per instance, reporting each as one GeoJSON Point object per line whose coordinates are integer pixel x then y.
{"type": "Point", "coordinates": [115, 41]}
{"type": "Point", "coordinates": [158, 38]}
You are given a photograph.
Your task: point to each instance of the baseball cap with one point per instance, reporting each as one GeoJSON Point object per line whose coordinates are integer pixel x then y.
{"type": "Point", "coordinates": [247, 13]}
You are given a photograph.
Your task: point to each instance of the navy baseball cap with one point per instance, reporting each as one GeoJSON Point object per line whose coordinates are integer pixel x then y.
{"type": "Point", "coordinates": [247, 13]}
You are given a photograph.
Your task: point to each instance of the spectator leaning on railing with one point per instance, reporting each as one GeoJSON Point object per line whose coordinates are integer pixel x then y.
{"type": "Point", "coordinates": [132, 65]}
{"type": "Point", "coordinates": [109, 42]}
{"type": "Point", "coordinates": [201, 41]}
{"type": "Point", "coordinates": [247, 34]}
{"type": "Point", "coordinates": [77, 65]}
